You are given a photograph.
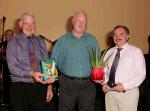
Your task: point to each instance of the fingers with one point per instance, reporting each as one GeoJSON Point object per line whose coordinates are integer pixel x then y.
{"type": "Point", "coordinates": [49, 98]}
{"type": "Point", "coordinates": [99, 81]}
{"type": "Point", "coordinates": [48, 81]}
{"type": "Point", "coordinates": [105, 88]}
{"type": "Point", "coordinates": [49, 94]}
{"type": "Point", "coordinates": [38, 77]}
{"type": "Point", "coordinates": [51, 80]}
{"type": "Point", "coordinates": [119, 87]}
{"type": "Point", "coordinates": [42, 81]}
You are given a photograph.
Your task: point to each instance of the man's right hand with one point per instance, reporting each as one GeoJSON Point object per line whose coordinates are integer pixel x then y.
{"type": "Point", "coordinates": [38, 77]}
{"type": "Point", "coordinates": [105, 88]}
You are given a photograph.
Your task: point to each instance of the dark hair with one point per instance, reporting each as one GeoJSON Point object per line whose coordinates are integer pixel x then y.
{"type": "Point", "coordinates": [9, 30]}
{"type": "Point", "coordinates": [121, 26]}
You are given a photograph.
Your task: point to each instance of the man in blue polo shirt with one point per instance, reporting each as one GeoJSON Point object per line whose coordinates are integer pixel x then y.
{"type": "Point", "coordinates": [72, 57]}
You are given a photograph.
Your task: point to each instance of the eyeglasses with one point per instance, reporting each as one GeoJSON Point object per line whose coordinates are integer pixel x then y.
{"type": "Point", "coordinates": [24, 24]}
{"type": "Point", "coordinates": [120, 35]}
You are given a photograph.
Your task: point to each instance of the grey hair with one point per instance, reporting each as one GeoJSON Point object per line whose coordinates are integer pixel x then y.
{"type": "Point", "coordinates": [77, 13]}
{"type": "Point", "coordinates": [27, 14]}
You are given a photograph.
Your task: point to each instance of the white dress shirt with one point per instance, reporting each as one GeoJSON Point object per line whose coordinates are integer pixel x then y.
{"type": "Point", "coordinates": [131, 70]}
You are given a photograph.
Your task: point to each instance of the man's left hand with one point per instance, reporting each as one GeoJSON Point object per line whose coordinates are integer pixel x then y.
{"type": "Point", "coordinates": [119, 87]}
{"type": "Point", "coordinates": [99, 81]}
{"type": "Point", "coordinates": [49, 94]}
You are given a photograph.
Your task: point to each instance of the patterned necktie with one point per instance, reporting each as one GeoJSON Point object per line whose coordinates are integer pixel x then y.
{"type": "Point", "coordinates": [111, 81]}
{"type": "Point", "coordinates": [32, 54]}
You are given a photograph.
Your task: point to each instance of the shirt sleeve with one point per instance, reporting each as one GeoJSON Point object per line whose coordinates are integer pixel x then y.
{"type": "Point", "coordinates": [138, 72]}
{"type": "Point", "coordinates": [96, 45]}
{"type": "Point", "coordinates": [13, 61]}
{"type": "Point", "coordinates": [55, 55]}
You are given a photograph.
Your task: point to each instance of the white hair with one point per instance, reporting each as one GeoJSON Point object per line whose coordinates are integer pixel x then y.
{"type": "Point", "coordinates": [27, 14]}
{"type": "Point", "coordinates": [76, 14]}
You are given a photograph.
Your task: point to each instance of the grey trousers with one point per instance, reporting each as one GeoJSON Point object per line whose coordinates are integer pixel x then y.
{"type": "Point", "coordinates": [76, 92]}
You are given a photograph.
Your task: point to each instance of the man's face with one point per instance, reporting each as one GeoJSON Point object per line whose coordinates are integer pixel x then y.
{"type": "Point", "coordinates": [28, 25]}
{"type": "Point", "coordinates": [120, 37]}
{"type": "Point", "coordinates": [9, 35]}
{"type": "Point", "coordinates": [79, 23]}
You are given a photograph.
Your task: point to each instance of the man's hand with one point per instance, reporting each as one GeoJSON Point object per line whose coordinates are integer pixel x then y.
{"type": "Point", "coordinates": [105, 88]}
{"type": "Point", "coordinates": [38, 77]}
{"type": "Point", "coordinates": [49, 94]}
{"type": "Point", "coordinates": [99, 81]}
{"type": "Point", "coordinates": [119, 87]}
{"type": "Point", "coordinates": [50, 80]}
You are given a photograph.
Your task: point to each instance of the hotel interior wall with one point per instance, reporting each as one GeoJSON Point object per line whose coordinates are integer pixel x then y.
{"type": "Point", "coordinates": [103, 15]}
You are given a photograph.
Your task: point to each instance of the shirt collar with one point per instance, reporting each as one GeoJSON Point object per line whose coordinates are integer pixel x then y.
{"type": "Point", "coordinates": [124, 46]}
{"type": "Point", "coordinates": [76, 37]}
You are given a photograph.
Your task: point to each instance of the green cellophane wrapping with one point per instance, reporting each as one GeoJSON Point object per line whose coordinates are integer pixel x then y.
{"type": "Point", "coordinates": [49, 69]}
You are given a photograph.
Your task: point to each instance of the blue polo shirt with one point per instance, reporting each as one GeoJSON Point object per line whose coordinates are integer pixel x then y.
{"type": "Point", "coordinates": [72, 55]}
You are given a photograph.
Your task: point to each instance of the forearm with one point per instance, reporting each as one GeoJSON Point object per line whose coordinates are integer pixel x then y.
{"type": "Point", "coordinates": [133, 82]}
{"type": "Point", "coordinates": [18, 71]}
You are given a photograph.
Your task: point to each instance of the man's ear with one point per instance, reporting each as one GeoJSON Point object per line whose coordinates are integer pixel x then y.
{"type": "Point", "coordinates": [72, 22]}
{"type": "Point", "coordinates": [20, 24]}
{"type": "Point", "coordinates": [128, 37]}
